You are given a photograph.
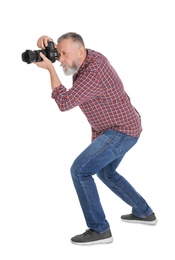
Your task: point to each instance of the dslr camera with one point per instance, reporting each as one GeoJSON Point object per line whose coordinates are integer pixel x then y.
{"type": "Point", "coordinates": [34, 56]}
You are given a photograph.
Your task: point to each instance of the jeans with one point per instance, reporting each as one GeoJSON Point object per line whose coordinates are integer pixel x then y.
{"type": "Point", "coordinates": [102, 157]}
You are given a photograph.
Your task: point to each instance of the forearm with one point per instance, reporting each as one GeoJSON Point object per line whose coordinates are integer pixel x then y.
{"type": "Point", "coordinates": [47, 64]}
{"type": "Point", "coordinates": [55, 81]}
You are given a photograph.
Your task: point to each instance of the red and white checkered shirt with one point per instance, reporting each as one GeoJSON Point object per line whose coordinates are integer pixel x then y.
{"type": "Point", "coordinates": [99, 92]}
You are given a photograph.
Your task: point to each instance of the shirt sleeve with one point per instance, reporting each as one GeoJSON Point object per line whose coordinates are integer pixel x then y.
{"type": "Point", "coordinates": [85, 87]}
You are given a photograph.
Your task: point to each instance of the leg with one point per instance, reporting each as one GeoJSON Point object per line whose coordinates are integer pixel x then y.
{"type": "Point", "coordinates": [104, 150]}
{"type": "Point", "coordinates": [91, 160]}
{"type": "Point", "coordinates": [122, 188]}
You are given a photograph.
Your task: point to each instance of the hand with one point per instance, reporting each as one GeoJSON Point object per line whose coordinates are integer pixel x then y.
{"type": "Point", "coordinates": [45, 63]}
{"type": "Point", "coordinates": [43, 41]}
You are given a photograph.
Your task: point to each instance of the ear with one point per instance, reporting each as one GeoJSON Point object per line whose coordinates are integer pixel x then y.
{"type": "Point", "coordinates": [81, 51]}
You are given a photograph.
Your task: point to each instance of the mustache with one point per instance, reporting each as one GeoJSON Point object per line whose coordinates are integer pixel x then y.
{"type": "Point", "coordinates": [63, 65]}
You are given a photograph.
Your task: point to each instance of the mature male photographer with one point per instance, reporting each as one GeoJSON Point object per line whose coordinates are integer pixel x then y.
{"type": "Point", "coordinates": [116, 127]}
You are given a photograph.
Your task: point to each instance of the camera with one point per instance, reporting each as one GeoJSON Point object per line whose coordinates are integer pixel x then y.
{"type": "Point", "coordinates": [34, 56]}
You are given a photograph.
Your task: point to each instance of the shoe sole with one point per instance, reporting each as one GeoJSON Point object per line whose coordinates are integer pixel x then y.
{"type": "Point", "coordinates": [150, 223]}
{"type": "Point", "coordinates": [102, 241]}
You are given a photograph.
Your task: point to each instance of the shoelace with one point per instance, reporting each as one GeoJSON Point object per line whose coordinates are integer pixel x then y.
{"type": "Point", "coordinates": [88, 232]}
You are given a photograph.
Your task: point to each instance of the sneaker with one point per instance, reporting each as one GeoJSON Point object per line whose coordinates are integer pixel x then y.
{"type": "Point", "coordinates": [149, 220]}
{"type": "Point", "coordinates": [91, 237]}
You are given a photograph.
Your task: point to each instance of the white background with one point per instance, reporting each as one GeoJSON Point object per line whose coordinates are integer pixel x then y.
{"type": "Point", "coordinates": [39, 209]}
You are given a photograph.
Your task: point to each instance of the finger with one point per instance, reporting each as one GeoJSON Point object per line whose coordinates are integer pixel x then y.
{"type": "Point", "coordinates": [36, 63]}
{"type": "Point", "coordinates": [39, 43]}
{"type": "Point", "coordinates": [42, 42]}
{"type": "Point", "coordinates": [46, 39]}
{"type": "Point", "coordinates": [42, 55]}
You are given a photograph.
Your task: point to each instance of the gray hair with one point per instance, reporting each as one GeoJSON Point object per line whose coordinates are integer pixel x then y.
{"type": "Point", "coordinates": [71, 35]}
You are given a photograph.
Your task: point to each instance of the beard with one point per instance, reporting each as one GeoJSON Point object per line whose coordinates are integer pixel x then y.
{"type": "Point", "coordinates": [70, 71]}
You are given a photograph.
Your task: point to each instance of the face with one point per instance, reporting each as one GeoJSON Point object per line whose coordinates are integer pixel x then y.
{"type": "Point", "coordinates": [70, 56]}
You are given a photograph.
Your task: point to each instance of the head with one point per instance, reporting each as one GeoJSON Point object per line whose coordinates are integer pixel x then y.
{"type": "Point", "coordinates": [72, 52]}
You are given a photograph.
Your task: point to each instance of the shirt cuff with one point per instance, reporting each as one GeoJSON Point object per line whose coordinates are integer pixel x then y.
{"type": "Point", "coordinates": [56, 91]}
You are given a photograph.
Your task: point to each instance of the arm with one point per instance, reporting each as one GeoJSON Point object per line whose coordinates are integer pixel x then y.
{"type": "Point", "coordinates": [85, 87]}
{"type": "Point", "coordinates": [47, 64]}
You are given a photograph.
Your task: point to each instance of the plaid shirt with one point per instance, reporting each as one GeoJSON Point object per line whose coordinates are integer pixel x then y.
{"type": "Point", "coordinates": [99, 92]}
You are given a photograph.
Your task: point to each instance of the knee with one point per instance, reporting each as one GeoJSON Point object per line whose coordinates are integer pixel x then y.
{"type": "Point", "coordinates": [106, 175]}
{"type": "Point", "coordinates": [75, 171]}
{"type": "Point", "coordinates": [102, 174]}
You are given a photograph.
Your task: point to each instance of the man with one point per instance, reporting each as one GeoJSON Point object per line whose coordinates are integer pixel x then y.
{"type": "Point", "coordinates": [116, 127]}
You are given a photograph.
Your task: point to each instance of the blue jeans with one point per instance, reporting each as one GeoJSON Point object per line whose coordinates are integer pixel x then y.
{"type": "Point", "coordinates": [102, 157]}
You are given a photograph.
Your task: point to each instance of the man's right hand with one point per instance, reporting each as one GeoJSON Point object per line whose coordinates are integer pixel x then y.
{"type": "Point", "coordinates": [43, 41]}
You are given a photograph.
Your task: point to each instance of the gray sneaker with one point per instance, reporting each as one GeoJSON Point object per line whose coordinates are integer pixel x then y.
{"type": "Point", "coordinates": [91, 237]}
{"type": "Point", "coordinates": [149, 220]}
